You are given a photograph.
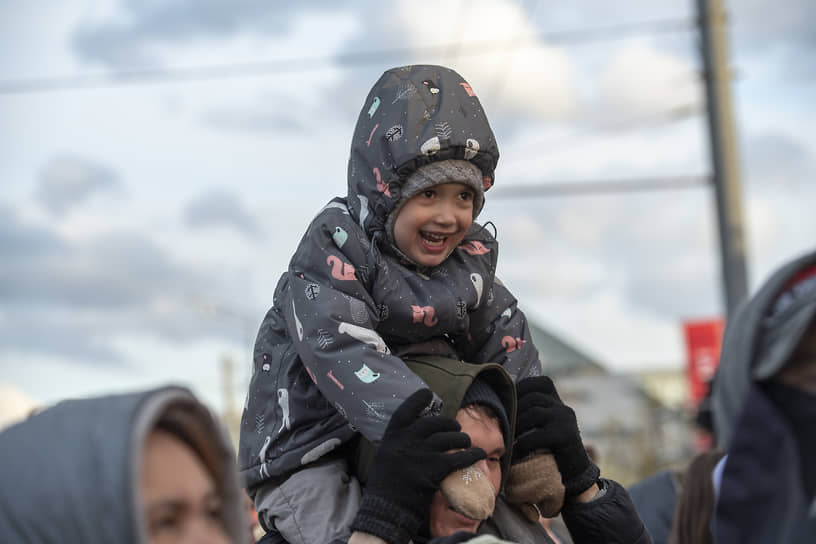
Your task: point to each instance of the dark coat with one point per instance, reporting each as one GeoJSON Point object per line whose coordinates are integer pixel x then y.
{"type": "Point", "coordinates": [326, 361]}
{"type": "Point", "coordinates": [609, 519]}
{"type": "Point", "coordinates": [761, 493]}
{"type": "Point", "coordinates": [655, 498]}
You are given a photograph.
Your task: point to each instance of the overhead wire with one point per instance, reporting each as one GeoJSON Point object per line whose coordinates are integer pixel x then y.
{"type": "Point", "coordinates": [533, 150]}
{"type": "Point", "coordinates": [149, 75]}
{"type": "Point", "coordinates": [594, 187]}
{"type": "Point", "coordinates": [454, 49]}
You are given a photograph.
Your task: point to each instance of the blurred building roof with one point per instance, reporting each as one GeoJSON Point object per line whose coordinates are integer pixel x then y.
{"type": "Point", "coordinates": [561, 358]}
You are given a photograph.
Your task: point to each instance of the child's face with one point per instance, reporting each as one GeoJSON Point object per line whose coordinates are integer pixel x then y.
{"type": "Point", "coordinates": [432, 223]}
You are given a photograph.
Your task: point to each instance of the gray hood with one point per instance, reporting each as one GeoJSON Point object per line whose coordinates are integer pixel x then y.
{"type": "Point", "coordinates": [760, 337]}
{"type": "Point", "coordinates": [413, 116]}
{"type": "Point", "coordinates": [71, 473]}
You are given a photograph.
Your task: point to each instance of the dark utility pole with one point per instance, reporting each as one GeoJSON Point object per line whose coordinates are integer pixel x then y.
{"type": "Point", "coordinates": [724, 155]}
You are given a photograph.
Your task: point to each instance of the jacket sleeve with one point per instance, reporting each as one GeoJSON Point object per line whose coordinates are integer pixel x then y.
{"type": "Point", "coordinates": [332, 320]}
{"type": "Point", "coordinates": [499, 334]}
{"type": "Point", "coordinates": [609, 519]}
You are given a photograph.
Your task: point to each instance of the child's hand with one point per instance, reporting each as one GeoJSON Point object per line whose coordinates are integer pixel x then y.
{"type": "Point", "coordinates": [469, 492]}
{"type": "Point", "coordinates": [411, 461]}
{"type": "Point", "coordinates": [546, 426]}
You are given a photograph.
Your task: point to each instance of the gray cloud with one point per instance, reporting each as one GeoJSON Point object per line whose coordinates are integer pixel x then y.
{"type": "Point", "coordinates": [660, 255]}
{"type": "Point", "coordinates": [114, 271]}
{"type": "Point", "coordinates": [31, 330]}
{"type": "Point", "coordinates": [763, 22]}
{"type": "Point", "coordinates": [127, 42]}
{"type": "Point", "coordinates": [73, 298]}
{"type": "Point", "coordinates": [220, 208]}
{"type": "Point", "coordinates": [254, 121]}
{"type": "Point", "coordinates": [67, 181]}
{"type": "Point", "coordinates": [17, 240]}
{"type": "Point", "coordinates": [775, 160]}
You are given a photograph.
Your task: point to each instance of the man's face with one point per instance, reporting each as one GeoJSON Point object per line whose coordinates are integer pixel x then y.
{"type": "Point", "coordinates": [484, 433]}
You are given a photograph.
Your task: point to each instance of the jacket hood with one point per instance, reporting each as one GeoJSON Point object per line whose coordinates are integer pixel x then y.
{"type": "Point", "coordinates": [760, 338]}
{"type": "Point", "coordinates": [72, 473]}
{"type": "Point", "coordinates": [451, 379]}
{"type": "Point", "coordinates": [414, 115]}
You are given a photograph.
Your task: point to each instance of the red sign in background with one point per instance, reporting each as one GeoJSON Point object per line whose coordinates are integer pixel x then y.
{"type": "Point", "coordinates": [703, 342]}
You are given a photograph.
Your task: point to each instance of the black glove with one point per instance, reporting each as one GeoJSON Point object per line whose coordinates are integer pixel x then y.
{"type": "Point", "coordinates": [407, 468]}
{"type": "Point", "coordinates": [545, 423]}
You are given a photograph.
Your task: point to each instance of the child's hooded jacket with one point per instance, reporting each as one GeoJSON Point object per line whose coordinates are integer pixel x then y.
{"type": "Point", "coordinates": [326, 361]}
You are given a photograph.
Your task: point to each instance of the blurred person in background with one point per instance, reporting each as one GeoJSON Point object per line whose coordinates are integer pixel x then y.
{"type": "Point", "coordinates": [656, 496]}
{"type": "Point", "coordinates": [149, 467]}
{"type": "Point", "coordinates": [764, 406]}
{"type": "Point", "coordinates": [695, 504]}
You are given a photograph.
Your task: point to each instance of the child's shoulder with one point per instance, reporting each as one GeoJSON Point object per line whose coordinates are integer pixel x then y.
{"type": "Point", "coordinates": [336, 207]}
{"type": "Point", "coordinates": [334, 229]}
{"type": "Point", "coordinates": [336, 215]}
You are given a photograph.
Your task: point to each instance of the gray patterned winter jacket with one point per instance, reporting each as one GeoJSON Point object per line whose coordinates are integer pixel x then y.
{"type": "Point", "coordinates": [326, 361]}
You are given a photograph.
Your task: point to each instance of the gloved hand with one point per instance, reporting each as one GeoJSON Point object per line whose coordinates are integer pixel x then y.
{"type": "Point", "coordinates": [545, 425]}
{"type": "Point", "coordinates": [469, 492]}
{"type": "Point", "coordinates": [406, 471]}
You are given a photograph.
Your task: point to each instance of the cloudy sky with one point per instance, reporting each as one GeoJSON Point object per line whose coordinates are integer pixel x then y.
{"type": "Point", "coordinates": [159, 161]}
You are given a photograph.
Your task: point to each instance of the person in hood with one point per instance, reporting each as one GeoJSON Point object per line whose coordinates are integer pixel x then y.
{"type": "Point", "coordinates": [149, 467]}
{"type": "Point", "coordinates": [398, 266]}
{"type": "Point", "coordinates": [404, 500]}
{"type": "Point", "coordinates": [764, 407]}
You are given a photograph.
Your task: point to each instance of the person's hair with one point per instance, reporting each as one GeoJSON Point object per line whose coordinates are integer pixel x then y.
{"type": "Point", "coordinates": [186, 423]}
{"type": "Point", "coordinates": [481, 411]}
{"type": "Point", "coordinates": [695, 503]}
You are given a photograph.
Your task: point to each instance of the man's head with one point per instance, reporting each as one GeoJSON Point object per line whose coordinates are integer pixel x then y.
{"type": "Point", "coordinates": [438, 203]}
{"type": "Point", "coordinates": [481, 424]}
{"type": "Point", "coordinates": [483, 418]}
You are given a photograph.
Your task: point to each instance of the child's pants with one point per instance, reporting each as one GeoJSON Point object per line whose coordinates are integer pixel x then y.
{"type": "Point", "coordinates": [314, 504]}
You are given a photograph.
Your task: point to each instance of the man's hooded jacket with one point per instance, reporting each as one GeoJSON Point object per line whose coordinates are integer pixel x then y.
{"type": "Point", "coordinates": [762, 491]}
{"type": "Point", "coordinates": [327, 357]}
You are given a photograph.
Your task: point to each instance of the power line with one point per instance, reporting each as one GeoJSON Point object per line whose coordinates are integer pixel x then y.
{"type": "Point", "coordinates": [307, 64]}
{"type": "Point", "coordinates": [533, 150]}
{"type": "Point", "coordinates": [582, 188]}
